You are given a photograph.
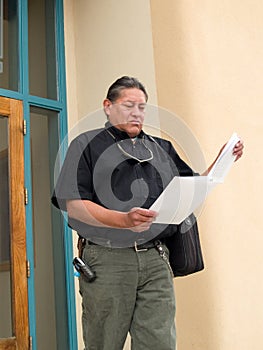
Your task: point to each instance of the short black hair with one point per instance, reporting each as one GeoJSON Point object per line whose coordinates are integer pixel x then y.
{"type": "Point", "coordinates": [122, 83]}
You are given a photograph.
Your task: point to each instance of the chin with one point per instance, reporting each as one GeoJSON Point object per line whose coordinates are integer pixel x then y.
{"type": "Point", "coordinates": [134, 130]}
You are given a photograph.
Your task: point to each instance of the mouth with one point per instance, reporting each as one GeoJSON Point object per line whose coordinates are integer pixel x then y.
{"type": "Point", "coordinates": [134, 122]}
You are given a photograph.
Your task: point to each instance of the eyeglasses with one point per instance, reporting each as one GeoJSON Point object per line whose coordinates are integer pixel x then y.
{"type": "Point", "coordinates": [128, 155]}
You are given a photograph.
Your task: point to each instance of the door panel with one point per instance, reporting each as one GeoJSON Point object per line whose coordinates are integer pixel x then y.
{"type": "Point", "coordinates": [5, 275]}
{"type": "Point", "coordinates": [13, 230]}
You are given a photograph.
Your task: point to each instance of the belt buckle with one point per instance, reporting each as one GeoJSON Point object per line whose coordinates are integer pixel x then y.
{"type": "Point", "coordinates": [139, 249]}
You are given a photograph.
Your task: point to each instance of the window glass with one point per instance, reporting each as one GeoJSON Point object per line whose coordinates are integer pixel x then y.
{"type": "Point", "coordinates": [51, 319]}
{"type": "Point", "coordinates": [8, 45]}
{"type": "Point", "coordinates": [42, 48]}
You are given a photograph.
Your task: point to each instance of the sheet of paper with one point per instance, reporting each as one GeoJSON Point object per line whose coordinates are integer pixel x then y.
{"type": "Point", "coordinates": [184, 195]}
{"type": "Point", "coordinates": [224, 161]}
{"type": "Point", "coordinates": [181, 197]}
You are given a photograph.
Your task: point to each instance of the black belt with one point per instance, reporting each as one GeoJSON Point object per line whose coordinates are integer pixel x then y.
{"type": "Point", "coordinates": [147, 245]}
{"type": "Point", "coordinates": [138, 247]}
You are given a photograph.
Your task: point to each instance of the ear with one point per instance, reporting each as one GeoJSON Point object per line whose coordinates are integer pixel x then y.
{"type": "Point", "coordinates": [107, 106]}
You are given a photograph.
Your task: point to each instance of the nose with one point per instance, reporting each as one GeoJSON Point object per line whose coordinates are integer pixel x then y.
{"type": "Point", "coordinates": [136, 111]}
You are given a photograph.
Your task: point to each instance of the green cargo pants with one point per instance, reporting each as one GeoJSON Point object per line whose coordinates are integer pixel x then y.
{"type": "Point", "coordinates": [133, 293]}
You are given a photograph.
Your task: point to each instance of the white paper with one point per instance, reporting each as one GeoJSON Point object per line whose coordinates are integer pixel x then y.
{"type": "Point", "coordinates": [224, 161]}
{"type": "Point", "coordinates": [181, 197]}
{"type": "Point", "coordinates": [184, 195]}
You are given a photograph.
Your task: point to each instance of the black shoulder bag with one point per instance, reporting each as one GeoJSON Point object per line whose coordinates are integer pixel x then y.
{"type": "Point", "coordinates": [185, 254]}
{"type": "Point", "coordinates": [185, 249]}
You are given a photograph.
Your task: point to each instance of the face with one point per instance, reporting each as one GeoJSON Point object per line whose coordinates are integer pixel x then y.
{"type": "Point", "coordinates": [127, 112]}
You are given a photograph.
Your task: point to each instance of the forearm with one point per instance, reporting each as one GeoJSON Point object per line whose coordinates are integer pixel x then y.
{"type": "Point", "coordinates": [93, 214]}
{"type": "Point", "coordinates": [237, 152]}
{"type": "Point", "coordinates": [205, 173]}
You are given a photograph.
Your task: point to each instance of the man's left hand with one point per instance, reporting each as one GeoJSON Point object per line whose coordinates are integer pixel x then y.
{"type": "Point", "coordinates": [238, 150]}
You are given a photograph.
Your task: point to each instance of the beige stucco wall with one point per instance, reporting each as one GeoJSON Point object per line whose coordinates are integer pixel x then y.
{"type": "Point", "coordinates": [202, 60]}
{"type": "Point", "coordinates": [209, 70]}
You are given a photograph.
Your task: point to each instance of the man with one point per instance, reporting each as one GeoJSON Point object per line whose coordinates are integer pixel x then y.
{"type": "Point", "coordinates": [109, 179]}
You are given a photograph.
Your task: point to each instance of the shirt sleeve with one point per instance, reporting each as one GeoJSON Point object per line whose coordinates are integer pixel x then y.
{"type": "Point", "coordinates": [75, 178]}
{"type": "Point", "coordinates": [180, 167]}
{"type": "Point", "coordinates": [183, 168]}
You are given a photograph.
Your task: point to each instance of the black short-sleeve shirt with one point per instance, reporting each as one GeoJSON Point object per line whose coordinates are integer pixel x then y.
{"type": "Point", "coordinates": [108, 168]}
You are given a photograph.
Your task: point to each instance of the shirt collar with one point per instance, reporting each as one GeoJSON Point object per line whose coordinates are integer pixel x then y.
{"type": "Point", "coordinates": [119, 134]}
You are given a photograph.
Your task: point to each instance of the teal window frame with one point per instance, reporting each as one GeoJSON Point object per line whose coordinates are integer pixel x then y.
{"type": "Point", "coordinates": [60, 107]}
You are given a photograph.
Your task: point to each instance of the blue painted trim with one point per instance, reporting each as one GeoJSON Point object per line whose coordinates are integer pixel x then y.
{"type": "Point", "coordinates": [11, 94]}
{"type": "Point", "coordinates": [71, 304]}
{"type": "Point", "coordinates": [29, 231]}
{"type": "Point", "coordinates": [61, 107]}
{"type": "Point", "coordinates": [35, 101]}
{"type": "Point", "coordinates": [45, 103]}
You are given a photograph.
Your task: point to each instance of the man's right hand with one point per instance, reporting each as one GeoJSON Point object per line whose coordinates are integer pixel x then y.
{"type": "Point", "coordinates": [140, 219]}
{"type": "Point", "coordinates": [137, 219]}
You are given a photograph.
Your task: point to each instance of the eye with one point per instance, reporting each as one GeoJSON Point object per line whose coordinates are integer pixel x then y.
{"type": "Point", "coordinates": [142, 107]}
{"type": "Point", "coordinates": [128, 105]}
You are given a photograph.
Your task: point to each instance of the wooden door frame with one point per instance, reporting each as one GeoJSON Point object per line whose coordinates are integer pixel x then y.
{"type": "Point", "coordinates": [13, 110]}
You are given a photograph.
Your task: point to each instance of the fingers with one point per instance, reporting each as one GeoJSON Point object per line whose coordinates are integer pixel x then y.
{"type": "Point", "coordinates": [140, 219]}
{"type": "Point", "coordinates": [144, 213]}
{"type": "Point", "coordinates": [238, 149]}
